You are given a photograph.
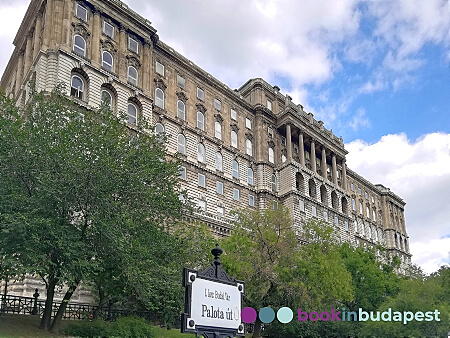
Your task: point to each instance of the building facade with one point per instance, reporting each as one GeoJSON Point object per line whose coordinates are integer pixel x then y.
{"type": "Point", "coordinates": [247, 147]}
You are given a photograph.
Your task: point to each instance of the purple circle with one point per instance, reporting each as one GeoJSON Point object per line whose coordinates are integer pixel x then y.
{"type": "Point", "coordinates": [248, 315]}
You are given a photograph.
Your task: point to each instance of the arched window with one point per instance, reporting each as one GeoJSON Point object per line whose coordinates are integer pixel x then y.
{"type": "Point", "coordinates": [107, 61]}
{"type": "Point", "coordinates": [107, 98]}
{"type": "Point", "coordinates": [159, 98]}
{"type": "Point", "coordinates": [250, 176]}
{"type": "Point", "coordinates": [344, 205]}
{"type": "Point", "coordinates": [181, 144]}
{"type": "Point", "coordinates": [299, 182]}
{"type": "Point", "coordinates": [181, 109]}
{"type": "Point", "coordinates": [249, 147]}
{"type": "Point", "coordinates": [274, 182]}
{"type": "Point", "coordinates": [312, 188]}
{"type": "Point", "coordinates": [200, 121]}
{"type": "Point", "coordinates": [77, 87]}
{"type": "Point", "coordinates": [234, 141]}
{"type": "Point", "coordinates": [235, 168]}
{"type": "Point", "coordinates": [132, 75]}
{"type": "Point", "coordinates": [159, 129]}
{"type": "Point", "coordinates": [271, 155]}
{"type": "Point", "coordinates": [218, 130]}
{"type": "Point", "coordinates": [219, 162]}
{"type": "Point", "coordinates": [323, 195]}
{"type": "Point", "coordinates": [334, 200]}
{"type": "Point", "coordinates": [201, 153]}
{"type": "Point", "coordinates": [79, 45]}
{"type": "Point", "coordinates": [132, 113]}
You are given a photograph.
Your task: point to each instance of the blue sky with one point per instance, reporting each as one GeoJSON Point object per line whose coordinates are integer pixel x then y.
{"type": "Point", "coordinates": [376, 72]}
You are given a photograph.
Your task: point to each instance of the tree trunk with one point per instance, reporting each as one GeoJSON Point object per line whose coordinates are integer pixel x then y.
{"type": "Point", "coordinates": [62, 308]}
{"type": "Point", "coordinates": [101, 297]}
{"type": "Point", "coordinates": [257, 328]}
{"type": "Point", "coordinates": [46, 316]}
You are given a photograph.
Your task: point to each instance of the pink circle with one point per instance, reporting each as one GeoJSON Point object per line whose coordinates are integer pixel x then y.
{"type": "Point", "coordinates": [248, 315]}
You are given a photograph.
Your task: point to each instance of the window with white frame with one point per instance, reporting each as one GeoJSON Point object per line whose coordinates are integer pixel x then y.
{"type": "Point", "coordinates": [159, 68]}
{"type": "Point", "coordinates": [220, 211]}
{"type": "Point", "coordinates": [181, 144]}
{"type": "Point", "coordinates": [181, 81]}
{"type": "Point", "coordinates": [233, 114]}
{"type": "Point", "coordinates": [79, 45]}
{"type": "Point", "coordinates": [77, 87]}
{"type": "Point", "coordinates": [201, 153]}
{"type": "Point", "coordinates": [353, 204]}
{"type": "Point", "coordinates": [367, 212]}
{"type": "Point", "coordinates": [234, 142]}
{"type": "Point", "coordinates": [219, 161]}
{"type": "Point", "coordinates": [132, 113]}
{"type": "Point", "coordinates": [313, 211]}
{"type": "Point", "coordinates": [251, 200]}
{"type": "Point", "coordinates": [271, 155]}
{"type": "Point", "coordinates": [219, 187]}
{"type": "Point", "coordinates": [200, 120]}
{"type": "Point", "coordinates": [201, 180]}
{"type": "Point", "coordinates": [275, 205]}
{"type": "Point", "coordinates": [218, 130]}
{"type": "Point", "coordinates": [108, 29]}
{"type": "Point", "coordinates": [159, 129]}
{"type": "Point", "coordinates": [200, 94]}
{"type": "Point", "coordinates": [249, 147]}
{"type": "Point", "coordinates": [107, 61]}
{"type": "Point", "coordinates": [81, 12]}
{"type": "Point", "coordinates": [235, 169]}
{"type": "Point", "coordinates": [283, 158]}
{"type": "Point", "coordinates": [132, 75]}
{"type": "Point", "coordinates": [352, 187]}
{"type": "Point", "coordinates": [181, 110]}
{"type": "Point", "coordinates": [248, 123]}
{"type": "Point", "coordinates": [270, 131]}
{"type": "Point", "coordinates": [217, 104]}
{"type": "Point", "coordinates": [274, 182]}
{"type": "Point", "coordinates": [374, 216]}
{"type": "Point", "coordinates": [359, 191]}
{"type": "Point", "coordinates": [202, 205]}
{"type": "Point", "coordinates": [133, 45]}
{"type": "Point", "coordinates": [107, 98]}
{"type": "Point", "coordinates": [269, 104]}
{"type": "Point", "coordinates": [250, 176]}
{"type": "Point", "coordinates": [301, 205]}
{"type": "Point", "coordinates": [366, 195]}
{"type": "Point", "coordinates": [360, 208]}
{"type": "Point", "coordinates": [159, 98]}
{"type": "Point", "coordinates": [336, 221]}
{"type": "Point", "coordinates": [236, 194]}
{"type": "Point", "coordinates": [346, 225]}
{"type": "Point", "coordinates": [182, 172]}
{"type": "Point", "coordinates": [325, 216]}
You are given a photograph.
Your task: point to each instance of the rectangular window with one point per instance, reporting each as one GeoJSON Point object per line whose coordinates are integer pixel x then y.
{"type": "Point", "coordinates": [313, 211]}
{"type": "Point", "coordinates": [336, 221]}
{"type": "Point", "coordinates": [201, 180]}
{"type": "Point", "coordinates": [181, 82]}
{"type": "Point", "coordinates": [373, 200]}
{"type": "Point", "coordinates": [200, 94]}
{"type": "Point", "coordinates": [360, 208]}
{"type": "Point", "coordinates": [236, 194]}
{"type": "Point", "coordinates": [220, 211]}
{"type": "Point", "coordinates": [325, 216]}
{"type": "Point", "coordinates": [81, 12]}
{"type": "Point", "coordinates": [233, 114]}
{"type": "Point", "coordinates": [269, 104]}
{"type": "Point", "coordinates": [352, 187]}
{"type": "Point", "coordinates": [346, 225]}
{"type": "Point", "coordinates": [251, 200]}
{"type": "Point", "coordinates": [301, 205]}
{"type": "Point", "coordinates": [217, 104]}
{"type": "Point", "coordinates": [108, 29]}
{"type": "Point", "coordinates": [274, 205]}
{"type": "Point", "coordinates": [374, 215]}
{"type": "Point", "coordinates": [133, 45]}
{"type": "Point", "coordinates": [219, 187]}
{"type": "Point", "coordinates": [366, 195]}
{"type": "Point", "coordinates": [248, 123]}
{"type": "Point", "coordinates": [182, 171]}
{"type": "Point", "coordinates": [270, 131]}
{"type": "Point", "coordinates": [367, 212]}
{"type": "Point", "coordinates": [353, 204]}
{"type": "Point", "coordinates": [202, 205]}
{"type": "Point", "coordinates": [359, 191]}
{"type": "Point", "coordinates": [159, 68]}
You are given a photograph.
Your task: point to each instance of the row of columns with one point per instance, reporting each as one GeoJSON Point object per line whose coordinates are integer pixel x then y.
{"type": "Point", "coordinates": [301, 146]}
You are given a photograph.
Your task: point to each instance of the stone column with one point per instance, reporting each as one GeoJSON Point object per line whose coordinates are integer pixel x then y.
{"type": "Point", "coordinates": [122, 71]}
{"type": "Point", "coordinates": [324, 164]}
{"type": "Point", "coordinates": [48, 24]}
{"type": "Point", "coordinates": [344, 175]}
{"type": "Point", "coordinates": [66, 37]}
{"type": "Point", "coordinates": [333, 168]}
{"type": "Point", "coordinates": [289, 142]}
{"type": "Point", "coordinates": [313, 155]}
{"type": "Point", "coordinates": [95, 50]}
{"type": "Point", "coordinates": [145, 68]}
{"type": "Point", "coordinates": [37, 33]}
{"type": "Point", "coordinates": [301, 148]}
{"type": "Point", "coordinates": [19, 73]}
{"type": "Point", "coordinates": [28, 54]}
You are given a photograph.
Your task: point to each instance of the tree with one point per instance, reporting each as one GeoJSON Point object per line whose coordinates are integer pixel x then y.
{"type": "Point", "coordinates": [79, 192]}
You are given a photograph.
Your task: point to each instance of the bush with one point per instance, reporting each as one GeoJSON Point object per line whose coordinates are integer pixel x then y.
{"type": "Point", "coordinates": [95, 329]}
{"type": "Point", "coordinates": [132, 327]}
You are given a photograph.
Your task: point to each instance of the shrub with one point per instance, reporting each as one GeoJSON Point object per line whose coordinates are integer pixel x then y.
{"type": "Point", "coordinates": [95, 329]}
{"type": "Point", "coordinates": [132, 327]}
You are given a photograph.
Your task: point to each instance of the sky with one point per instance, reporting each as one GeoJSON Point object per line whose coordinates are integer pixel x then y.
{"type": "Point", "coordinates": [375, 72]}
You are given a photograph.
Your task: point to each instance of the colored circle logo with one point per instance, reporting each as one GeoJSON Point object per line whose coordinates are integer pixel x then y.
{"type": "Point", "coordinates": [248, 315]}
{"type": "Point", "coordinates": [267, 315]}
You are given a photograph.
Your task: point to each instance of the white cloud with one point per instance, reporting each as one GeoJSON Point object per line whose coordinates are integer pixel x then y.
{"type": "Point", "coordinates": [359, 120]}
{"type": "Point", "coordinates": [418, 172]}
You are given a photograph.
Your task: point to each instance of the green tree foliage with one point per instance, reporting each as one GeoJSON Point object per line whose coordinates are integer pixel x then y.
{"type": "Point", "coordinates": [80, 193]}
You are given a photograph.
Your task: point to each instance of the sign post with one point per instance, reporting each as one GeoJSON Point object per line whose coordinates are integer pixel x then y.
{"type": "Point", "coordinates": [213, 301]}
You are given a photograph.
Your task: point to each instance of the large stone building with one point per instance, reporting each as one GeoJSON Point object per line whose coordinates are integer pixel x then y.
{"type": "Point", "coordinates": [250, 146]}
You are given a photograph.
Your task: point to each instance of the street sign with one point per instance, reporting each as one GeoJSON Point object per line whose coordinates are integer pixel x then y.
{"type": "Point", "coordinates": [213, 301]}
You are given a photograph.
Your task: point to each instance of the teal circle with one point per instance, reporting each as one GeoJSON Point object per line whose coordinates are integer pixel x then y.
{"type": "Point", "coordinates": [285, 315]}
{"type": "Point", "coordinates": [267, 315]}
